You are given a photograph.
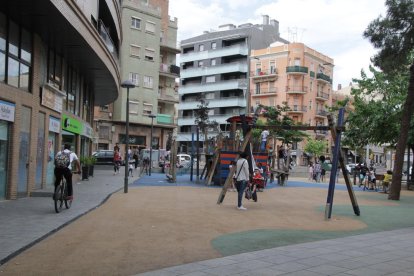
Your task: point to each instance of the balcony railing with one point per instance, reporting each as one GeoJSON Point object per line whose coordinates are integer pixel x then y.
{"type": "Point", "coordinates": [262, 91]}
{"type": "Point", "coordinates": [170, 69]}
{"type": "Point", "coordinates": [323, 113]}
{"type": "Point", "coordinates": [297, 70]}
{"type": "Point", "coordinates": [104, 34]}
{"type": "Point", "coordinates": [323, 77]}
{"type": "Point", "coordinates": [298, 108]}
{"type": "Point", "coordinates": [165, 119]}
{"type": "Point", "coordinates": [322, 95]}
{"type": "Point", "coordinates": [168, 94]}
{"type": "Point", "coordinates": [296, 89]}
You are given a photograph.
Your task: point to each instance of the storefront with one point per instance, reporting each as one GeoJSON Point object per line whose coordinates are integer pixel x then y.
{"type": "Point", "coordinates": [52, 141]}
{"type": "Point", "coordinates": [6, 119]}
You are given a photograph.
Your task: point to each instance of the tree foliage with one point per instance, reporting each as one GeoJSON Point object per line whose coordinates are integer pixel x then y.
{"type": "Point", "coordinates": [393, 35]}
{"type": "Point", "coordinates": [276, 116]}
{"type": "Point", "coordinates": [315, 147]}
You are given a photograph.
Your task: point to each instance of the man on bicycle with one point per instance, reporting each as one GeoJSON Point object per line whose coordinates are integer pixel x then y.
{"type": "Point", "coordinates": [63, 167]}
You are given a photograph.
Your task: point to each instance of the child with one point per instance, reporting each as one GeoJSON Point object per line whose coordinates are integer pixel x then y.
{"type": "Point", "coordinates": [387, 181]}
{"type": "Point", "coordinates": [258, 179]}
{"type": "Point", "coordinates": [131, 167]}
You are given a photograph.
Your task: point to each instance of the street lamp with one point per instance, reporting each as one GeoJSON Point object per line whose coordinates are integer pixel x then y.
{"type": "Point", "coordinates": [127, 84]}
{"type": "Point", "coordinates": [152, 116]}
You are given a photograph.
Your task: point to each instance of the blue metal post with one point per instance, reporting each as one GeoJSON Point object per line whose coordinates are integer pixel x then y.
{"type": "Point", "coordinates": [192, 156]}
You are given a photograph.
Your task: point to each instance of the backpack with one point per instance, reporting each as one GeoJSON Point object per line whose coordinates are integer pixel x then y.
{"type": "Point", "coordinates": [62, 160]}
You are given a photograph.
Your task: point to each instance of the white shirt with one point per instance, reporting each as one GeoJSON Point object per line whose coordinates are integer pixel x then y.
{"type": "Point", "coordinates": [264, 134]}
{"type": "Point", "coordinates": [242, 166]}
{"type": "Point", "coordinates": [72, 157]}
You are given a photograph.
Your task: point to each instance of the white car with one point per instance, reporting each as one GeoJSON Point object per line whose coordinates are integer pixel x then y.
{"type": "Point", "coordinates": [184, 159]}
{"type": "Point", "coordinates": [350, 168]}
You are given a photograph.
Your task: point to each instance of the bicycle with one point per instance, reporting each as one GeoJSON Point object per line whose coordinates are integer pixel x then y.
{"type": "Point", "coordinates": [60, 195]}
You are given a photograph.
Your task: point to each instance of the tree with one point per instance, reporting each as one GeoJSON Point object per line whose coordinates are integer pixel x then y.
{"type": "Point", "coordinates": [202, 119]}
{"type": "Point", "coordinates": [315, 147]}
{"type": "Point", "coordinates": [394, 36]}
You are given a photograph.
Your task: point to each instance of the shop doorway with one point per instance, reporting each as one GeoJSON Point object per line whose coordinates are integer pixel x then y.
{"type": "Point", "coordinates": [40, 150]}
{"type": "Point", "coordinates": [4, 145]}
{"type": "Point", "coordinates": [24, 147]}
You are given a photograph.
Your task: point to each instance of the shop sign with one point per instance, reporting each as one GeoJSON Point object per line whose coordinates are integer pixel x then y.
{"type": "Point", "coordinates": [71, 124]}
{"type": "Point", "coordinates": [54, 124]}
{"type": "Point", "coordinates": [7, 111]}
{"type": "Point", "coordinates": [87, 131]}
{"type": "Point", "coordinates": [52, 99]}
{"type": "Point", "coordinates": [133, 140]}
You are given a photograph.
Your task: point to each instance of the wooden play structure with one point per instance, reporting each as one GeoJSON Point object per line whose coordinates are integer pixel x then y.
{"type": "Point", "coordinates": [222, 159]}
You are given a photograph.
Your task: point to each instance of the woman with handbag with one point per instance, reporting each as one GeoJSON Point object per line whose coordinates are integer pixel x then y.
{"type": "Point", "coordinates": [242, 172]}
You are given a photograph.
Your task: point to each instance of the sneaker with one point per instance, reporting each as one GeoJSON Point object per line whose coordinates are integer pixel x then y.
{"type": "Point", "coordinates": [241, 208]}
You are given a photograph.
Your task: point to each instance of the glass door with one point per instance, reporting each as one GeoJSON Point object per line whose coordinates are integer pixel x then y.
{"type": "Point", "coordinates": [24, 147]}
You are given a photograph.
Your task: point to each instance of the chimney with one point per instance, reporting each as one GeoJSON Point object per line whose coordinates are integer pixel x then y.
{"type": "Point", "coordinates": [265, 20]}
{"type": "Point", "coordinates": [275, 24]}
{"type": "Point", "coordinates": [339, 86]}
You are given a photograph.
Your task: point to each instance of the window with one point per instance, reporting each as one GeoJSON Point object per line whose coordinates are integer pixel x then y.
{"type": "Point", "coordinates": [134, 50]}
{"type": "Point", "coordinates": [55, 69]}
{"type": "Point", "coordinates": [150, 27]}
{"type": "Point", "coordinates": [201, 47]}
{"type": "Point", "coordinates": [149, 54]}
{"type": "Point", "coordinates": [213, 62]}
{"type": "Point", "coordinates": [134, 77]}
{"type": "Point", "coordinates": [104, 108]}
{"type": "Point", "coordinates": [104, 132]}
{"type": "Point", "coordinates": [297, 62]}
{"type": "Point", "coordinates": [200, 63]}
{"type": "Point", "coordinates": [271, 101]}
{"type": "Point", "coordinates": [135, 23]}
{"type": "Point", "coordinates": [133, 107]}
{"type": "Point", "coordinates": [146, 112]}
{"type": "Point", "coordinates": [257, 88]}
{"type": "Point", "coordinates": [18, 58]}
{"type": "Point", "coordinates": [210, 79]}
{"type": "Point", "coordinates": [213, 45]}
{"type": "Point", "coordinates": [148, 82]}
{"type": "Point", "coordinates": [209, 96]}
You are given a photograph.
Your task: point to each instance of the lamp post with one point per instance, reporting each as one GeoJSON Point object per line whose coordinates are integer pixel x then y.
{"type": "Point", "coordinates": [152, 116]}
{"type": "Point", "coordinates": [127, 84]}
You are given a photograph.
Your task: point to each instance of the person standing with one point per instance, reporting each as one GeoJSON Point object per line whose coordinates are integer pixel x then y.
{"type": "Point", "coordinates": [317, 171]}
{"type": "Point", "coordinates": [117, 162]}
{"type": "Point", "coordinates": [310, 171]}
{"type": "Point", "coordinates": [242, 178]}
{"type": "Point", "coordinates": [263, 137]}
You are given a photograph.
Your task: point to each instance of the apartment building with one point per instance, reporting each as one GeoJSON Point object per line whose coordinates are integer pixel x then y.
{"type": "Point", "coordinates": [58, 59]}
{"type": "Point", "coordinates": [215, 66]}
{"type": "Point", "coordinates": [299, 76]}
{"type": "Point", "coordinates": [148, 57]}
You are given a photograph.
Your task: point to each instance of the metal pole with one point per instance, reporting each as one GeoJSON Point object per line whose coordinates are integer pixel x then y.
{"type": "Point", "coordinates": [150, 164]}
{"type": "Point", "coordinates": [332, 180]}
{"type": "Point", "coordinates": [192, 156]}
{"type": "Point", "coordinates": [126, 143]}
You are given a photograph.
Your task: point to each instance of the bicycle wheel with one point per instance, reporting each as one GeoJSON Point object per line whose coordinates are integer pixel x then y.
{"type": "Point", "coordinates": [58, 198]}
{"type": "Point", "coordinates": [68, 203]}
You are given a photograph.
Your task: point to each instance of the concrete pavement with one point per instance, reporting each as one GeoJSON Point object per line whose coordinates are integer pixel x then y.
{"type": "Point", "coordinates": [29, 220]}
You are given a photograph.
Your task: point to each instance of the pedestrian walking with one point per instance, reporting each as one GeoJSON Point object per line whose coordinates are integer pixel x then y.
{"type": "Point", "coordinates": [242, 178]}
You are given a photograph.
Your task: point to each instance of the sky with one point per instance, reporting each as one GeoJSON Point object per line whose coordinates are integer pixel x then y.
{"type": "Point", "coordinates": [332, 27]}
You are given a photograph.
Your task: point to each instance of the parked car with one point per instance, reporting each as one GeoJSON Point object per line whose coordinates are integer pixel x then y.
{"type": "Point", "coordinates": [105, 157]}
{"type": "Point", "coordinates": [350, 168]}
{"type": "Point", "coordinates": [184, 159]}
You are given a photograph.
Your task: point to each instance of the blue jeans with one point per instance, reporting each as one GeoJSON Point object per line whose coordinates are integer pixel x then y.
{"type": "Point", "coordinates": [240, 186]}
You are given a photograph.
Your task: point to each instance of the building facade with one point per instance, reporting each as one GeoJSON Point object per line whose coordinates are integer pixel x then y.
{"type": "Point", "coordinates": [56, 62]}
{"type": "Point", "coordinates": [148, 56]}
{"type": "Point", "coordinates": [298, 76]}
{"type": "Point", "coordinates": [215, 66]}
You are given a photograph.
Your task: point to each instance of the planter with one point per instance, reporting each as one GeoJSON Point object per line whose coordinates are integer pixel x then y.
{"type": "Point", "coordinates": [85, 172]}
{"type": "Point", "coordinates": [91, 170]}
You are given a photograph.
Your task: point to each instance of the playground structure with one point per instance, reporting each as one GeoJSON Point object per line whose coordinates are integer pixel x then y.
{"type": "Point", "coordinates": [217, 164]}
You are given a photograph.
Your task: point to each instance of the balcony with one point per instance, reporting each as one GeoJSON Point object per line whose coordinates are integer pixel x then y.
{"type": "Point", "coordinates": [104, 34]}
{"type": "Point", "coordinates": [187, 136]}
{"type": "Point", "coordinates": [214, 70]}
{"type": "Point", "coordinates": [300, 70]}
{"type": "Point", "coordinates": [296, 89]}
{"type": "Point", "coordinates": [262, 76]}
{"type": "Point", "coordinates": [216, 53]}
{"type": "Point", "coordinates": [165, 119]}
{"type": "Point", "coordinates": [171, 71]}
{"type": "Point", "coordinates": [323, 78]}
{"type": "Point", "coordinates": [213, 86]}
{"type": "Point", "coordinates": [298, 108]}
{"type": "Point", "coordinates": [322, 96]}
{"type": "Point", "coordinates": [213, 103]}
{"type": "Point", "coordinates": [264, 92]}
{"type": "Point", "coordinates": [219, 118]}
{"type": "Point", "coordinates": [167, 95]}
{"type": "Point", "coordinates": [321, 113]}
{"type": "Point", "coordinates": [320, 134]}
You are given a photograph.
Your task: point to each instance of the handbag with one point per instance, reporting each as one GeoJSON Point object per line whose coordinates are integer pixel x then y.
{"type": "Point", "coordinates": [248, 193]}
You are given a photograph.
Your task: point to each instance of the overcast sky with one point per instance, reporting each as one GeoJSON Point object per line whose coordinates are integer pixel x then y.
{"type": "Point", "coordinates": [332, 27]}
